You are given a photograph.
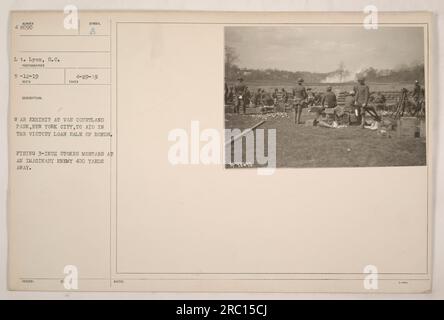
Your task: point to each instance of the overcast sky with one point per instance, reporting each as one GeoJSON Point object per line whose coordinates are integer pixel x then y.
{"type": "Point", "coordinates": [321, 49]}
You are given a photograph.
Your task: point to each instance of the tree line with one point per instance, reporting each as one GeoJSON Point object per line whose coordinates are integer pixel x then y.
{"type": "Point", "coordinates": [401, 74]}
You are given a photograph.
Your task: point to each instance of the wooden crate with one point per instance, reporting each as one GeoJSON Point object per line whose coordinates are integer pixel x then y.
{"type": "Point", "coordinates": [407, 127]}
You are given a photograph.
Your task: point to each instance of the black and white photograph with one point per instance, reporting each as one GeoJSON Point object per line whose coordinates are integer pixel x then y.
{"type": "Point", "coordinates": [337, 95]}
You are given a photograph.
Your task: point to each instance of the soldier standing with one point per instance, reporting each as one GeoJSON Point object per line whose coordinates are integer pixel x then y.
{"type": "Point", "coordinates": [361, 101]}
{"type": "Point", "coordinates": [263, 97]}
{"type": "Point", "coordinates": [275, 96]}
{"type": "Point", "coordinates": [299, 97]}
{"type": "Point", "coordinates": [284, 99]}
{"type": "Point", "coordinates": [247, 97]}
{"type": "Point", "coordinates": [284, 95]}
{"type": "Point", "coordinates": [257, 98]}
{"type": "Point", "coordinates": [416, 91]}
{"type": "Point", "coordinates": [231, 95]}
{"type": "Point", "coordinates": [418, 97]}
{"type": "Point", "coordinates": [239, 92]}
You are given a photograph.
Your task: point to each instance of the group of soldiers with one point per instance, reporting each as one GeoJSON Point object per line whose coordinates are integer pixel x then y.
{"type": "Point", "coordinates": [240, 96]}
{"type": "Point", "coordinates": [356, 101]}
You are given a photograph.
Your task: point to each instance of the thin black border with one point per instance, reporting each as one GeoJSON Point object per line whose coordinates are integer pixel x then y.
{"type": "Point", "coordinates": [224, 24]}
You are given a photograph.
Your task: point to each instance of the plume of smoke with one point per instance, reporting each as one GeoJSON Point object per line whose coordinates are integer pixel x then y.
{"type": "Point", "coordinates": [339, 77]}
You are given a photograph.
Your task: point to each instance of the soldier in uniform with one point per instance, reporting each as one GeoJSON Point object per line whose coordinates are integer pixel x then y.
{"type": "Point", "coordinates": [416, 91]}
{"type": "Point", "coordinates": [275, 96]}
{"type": "Point", "coordinates": [263, 97]}
{"type": "Point", "coordinates": [239, 95]}
{"type": "Point", "coordinates": [362, 97]}
{"type": "Point", "coordinates": [299, 98]}
{"type": "Point", "coordinates": [418, 98]}
{"type": "Point", "coordinates": [247, 98]}
{"type": "Point", "coordinates": [230, 95]}
{"type": "Point", "coordinates": [329, 99]}
{"type": "Point", "coordinates": [257, 98]}
{"type": "Point", "coordinates": [284, 98]}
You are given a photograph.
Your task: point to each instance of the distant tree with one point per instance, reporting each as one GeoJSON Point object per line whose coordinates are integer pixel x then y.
{"type": "Point", "coordinates": [231, 57]}
{"type": "Point", "coordinates": [402, 73]}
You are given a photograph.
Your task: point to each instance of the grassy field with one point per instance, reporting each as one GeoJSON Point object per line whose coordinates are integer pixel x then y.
{"type": "Point", "coordinates": [302, 146]}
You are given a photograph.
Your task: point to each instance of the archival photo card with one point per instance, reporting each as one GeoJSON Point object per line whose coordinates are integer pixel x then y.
{"type": "Point", "coordinates": [220, 152]}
